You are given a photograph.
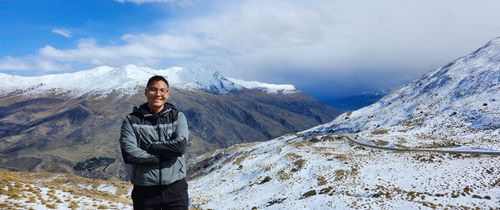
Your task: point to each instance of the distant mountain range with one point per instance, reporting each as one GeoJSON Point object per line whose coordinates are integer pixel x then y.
{"type": "Point", "coordinates": [58, 122]}
{"type": "Point", "coordinates": [453, 108]}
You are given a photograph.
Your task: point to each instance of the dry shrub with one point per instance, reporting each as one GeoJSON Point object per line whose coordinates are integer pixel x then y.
{"type": "Point", "coordinates": [299, 164]}
{"type": "Point", "coordinates": [73, 205]}
{"type": "Point", "coordinates": [282, 175]}
{"type": "Point", "coordinates": [340, 174]}
{"type": "Point", "coordinates": [342, 157]}
{"type": "Point", "coordinates": [14, 193]}
{"type": "Point", "coordinates": [51, 205]}
{"type": "Point", "coordinates": [293, 156]}
{"type": "Point", "coordinates": [496, 183]}
{"type": "Point", "coordinates": [31, 199]}
{"type": "Point", "coordinates": [102, 206]}
{"type": "Point", "coordinates": [309, 193]}
{"type": "Point", "coordinates": [267, 168]}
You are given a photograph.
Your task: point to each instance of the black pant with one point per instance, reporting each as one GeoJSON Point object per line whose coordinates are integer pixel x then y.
{"type": "Point", "coordinates": [173, 196]}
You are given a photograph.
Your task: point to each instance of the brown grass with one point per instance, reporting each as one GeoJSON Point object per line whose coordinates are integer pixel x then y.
{"type": "Point", "coordinates": [240, 159]}
{"type": "Point", "coordinates": [19, 184]}
{"type": "Point", "coordinates": [293, 156]}
{"type": "Point", "coordinates": [102, 206]}
{"type": "Point", "coordinates": [301, 144]}
{"type": "Point", "coordinates": [267, 168]}
{"type": "Point", "coordinates": [282, 175]}
{"type": "Point", "coordinates": [429, 158]}
{"type": "Point", "coordinates": [342, 157]}
{"type": "Point", "coordinates": [496, 183]}
{"type": "Point", "coordinates": [321, 180]}
{"type": "Point", "coordinates": [51, 205]}
{"type": "Point", "coordinates": [341, 174]}
{"type": "Point", "coordinates": [31, 199]}
{"type": "Point", "coordinates": [73, 205]}
{"type": "Point", "coordinates": [380, 131]}
{"type": "Point", "coordinates": [299, 164]}
{"type": "Point", "coordinates": [381, 143]}
{"type": "Point", "coordinates": [445, 143]}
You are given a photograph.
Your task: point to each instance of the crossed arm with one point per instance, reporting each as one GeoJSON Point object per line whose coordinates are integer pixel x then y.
{"type": "Point", "coordinates": [150, 153]}
{"type": "Point", "coordinates": [175, 147]}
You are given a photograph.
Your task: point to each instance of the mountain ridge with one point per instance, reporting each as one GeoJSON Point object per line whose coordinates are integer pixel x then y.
{"type": "Point", "coordinates": [456, 100]}
{"type": "Point", "coordinates": [127, 79]}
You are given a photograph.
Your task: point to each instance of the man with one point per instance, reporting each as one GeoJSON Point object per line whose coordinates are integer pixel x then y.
{"type": "Point", "coordinates": [153, 140]}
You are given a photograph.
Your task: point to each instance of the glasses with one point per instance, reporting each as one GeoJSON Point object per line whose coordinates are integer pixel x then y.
{"type": "Point", "coordinates": [154, 91]}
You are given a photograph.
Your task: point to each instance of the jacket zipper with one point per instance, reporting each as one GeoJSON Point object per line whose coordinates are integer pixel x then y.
{"type": "Point", "coordinates": [159, 138]}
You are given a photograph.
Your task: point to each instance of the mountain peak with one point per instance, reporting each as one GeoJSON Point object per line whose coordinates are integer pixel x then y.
{"type": "Point", "coordinates": [126, 80]}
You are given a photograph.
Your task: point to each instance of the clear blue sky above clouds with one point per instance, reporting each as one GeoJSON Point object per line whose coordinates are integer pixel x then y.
{"type": "Point", "coordinates": [325, 47]}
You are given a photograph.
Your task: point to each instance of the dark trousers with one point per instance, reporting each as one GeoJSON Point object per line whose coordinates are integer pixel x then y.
{"type": "Point", "coordinates": [171, 197]}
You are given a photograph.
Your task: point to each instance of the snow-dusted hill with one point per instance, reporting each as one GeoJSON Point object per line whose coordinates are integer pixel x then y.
{"type": "Point", "coordinates": [455, 105]}
{"type": "Point", "coordinates": [128, 80]}
{"type": "Point", "coordinates": [327, 171]}
{"type": "Point", "coordinates": [40, 191]}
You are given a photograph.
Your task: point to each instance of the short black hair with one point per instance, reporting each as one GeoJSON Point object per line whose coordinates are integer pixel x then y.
{"type": "Point", "coordinates": [156, 78]}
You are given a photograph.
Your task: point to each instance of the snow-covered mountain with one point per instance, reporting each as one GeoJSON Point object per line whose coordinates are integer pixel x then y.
{"type": "Point", "coordinates": [55, 122]}
{"type": "Point", "coordinates": [127, 80]}
{"type": "Point", "coordinates": [458, 104]}
{"type": "Point", "coordinates": [453, 108]}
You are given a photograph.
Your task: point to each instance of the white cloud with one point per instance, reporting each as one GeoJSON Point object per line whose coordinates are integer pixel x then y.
{"type": "Point", "coordinates": [13, 64]}
{"type": "Point", "coordinates": [308, 43]}
{"type": "Point", "coordinates": [314, 40]}
{"type": "Point", "coordinates": [34, 64]}
{"type": "Point", "coordinates": [62, 32]}
{"type": "Point", "coordinates": [141, 49]}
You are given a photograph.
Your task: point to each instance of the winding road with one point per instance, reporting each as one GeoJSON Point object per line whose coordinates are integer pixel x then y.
{"type": "Point", "coordinates": [465, 150]}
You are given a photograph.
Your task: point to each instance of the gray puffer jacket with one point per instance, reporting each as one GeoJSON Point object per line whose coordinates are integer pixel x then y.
{"type": "Point", "coordinates": [154, 144]}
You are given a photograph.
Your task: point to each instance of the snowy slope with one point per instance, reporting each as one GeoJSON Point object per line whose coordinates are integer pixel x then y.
{"type": "Point", "coordinates": [127, 80]}
{"type": "Point", "coordinates": [326, 171]}
{"type": "Point", "coordinates": [40, 191]}
{"type": "Point", "coordinates": [455, 105]}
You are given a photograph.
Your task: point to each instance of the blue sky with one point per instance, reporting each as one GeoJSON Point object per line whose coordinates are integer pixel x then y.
{"type": "Point", "coordinates": [325, 47]}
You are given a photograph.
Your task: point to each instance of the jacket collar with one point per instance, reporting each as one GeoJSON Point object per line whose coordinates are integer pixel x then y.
{"type": "Point", "coordinates": [144, 110]}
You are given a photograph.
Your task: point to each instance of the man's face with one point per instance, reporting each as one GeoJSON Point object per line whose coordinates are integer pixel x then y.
{"type": "Point", "coordinates": [157, 95]}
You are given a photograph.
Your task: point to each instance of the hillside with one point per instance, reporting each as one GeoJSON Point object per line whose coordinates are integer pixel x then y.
{"type": "Point", "coordinates": [24, 190]}
{"type": "Point", "coordinates": [433, 143]}
{"type": "Point", "coordinates": [56, 122]}
{"type": "Point", "coordinates": [455, 105]}
{"type": "Point", "coordinates": [329, 172]}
